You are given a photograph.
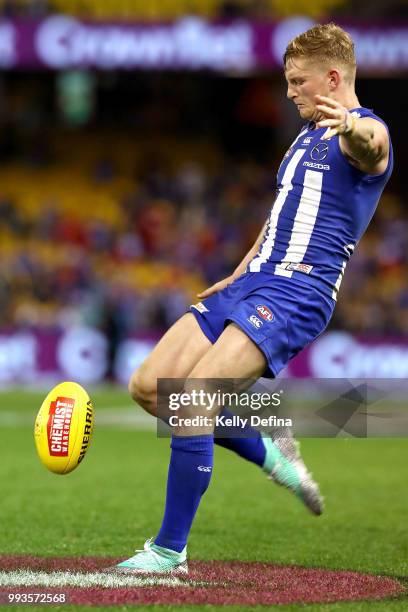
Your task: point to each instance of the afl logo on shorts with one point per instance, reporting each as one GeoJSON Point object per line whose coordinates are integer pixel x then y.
{"type": "Point", "coordinates": [265, 313]}
{"type": "Point", "coordinates": [320, 151]}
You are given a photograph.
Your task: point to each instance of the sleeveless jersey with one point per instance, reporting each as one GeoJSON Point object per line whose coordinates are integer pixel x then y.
{"type": "Point", "coordinates": [322, 208]}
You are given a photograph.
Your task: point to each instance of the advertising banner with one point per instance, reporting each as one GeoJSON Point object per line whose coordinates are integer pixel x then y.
{"type": "Point", "coordinates": [83, 354]}
{"type": "Point", "coordinates": [61, 42]}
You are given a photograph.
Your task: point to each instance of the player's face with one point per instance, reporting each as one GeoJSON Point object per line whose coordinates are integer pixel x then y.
{"type": "Point", "coordinates": [305, 79]}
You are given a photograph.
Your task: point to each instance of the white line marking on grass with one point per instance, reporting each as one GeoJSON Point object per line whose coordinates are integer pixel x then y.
{"type": "Point", "coordinates": [29, 578]}
{"type": "Point", "coordinates": [128, 417]}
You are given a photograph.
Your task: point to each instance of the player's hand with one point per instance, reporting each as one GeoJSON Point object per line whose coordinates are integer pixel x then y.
{"type": "Point", "coordinates": [334, 116]}
{"type": "Point", "coordinates": [216, 287]}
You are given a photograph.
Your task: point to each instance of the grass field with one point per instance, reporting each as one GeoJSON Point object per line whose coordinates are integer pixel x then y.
{"type": "Point", "coordinates": [114, 501]}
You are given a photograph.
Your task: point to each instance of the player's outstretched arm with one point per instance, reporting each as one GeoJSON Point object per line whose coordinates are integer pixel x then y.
{"type": "Point", "coordinates": [240, 269]}
{"type": "Point", "coordinates": [363, 140]}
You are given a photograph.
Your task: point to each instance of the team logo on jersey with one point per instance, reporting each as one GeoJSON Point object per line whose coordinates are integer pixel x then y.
{"type": "Point", "coordinates": [320, 151]}
{"type": "Point", "coordinates": [265, 313]}
{"type": "Point", "coordinates": [307, 140]}
{"type": "Point", "coordinates": [257, 323]}
{"type": "Point", "coordinates": [316, 165]}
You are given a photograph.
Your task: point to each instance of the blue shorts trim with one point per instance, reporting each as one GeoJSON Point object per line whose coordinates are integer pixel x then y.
{"type": "Point", "coordinates": [280, 315]}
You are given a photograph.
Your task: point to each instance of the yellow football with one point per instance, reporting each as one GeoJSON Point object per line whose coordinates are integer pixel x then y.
{"type": "Point", "coordinates": [63, 427]}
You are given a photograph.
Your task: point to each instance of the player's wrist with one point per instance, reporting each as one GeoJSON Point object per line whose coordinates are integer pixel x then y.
{"type": "Point", "coordinates": [349, 125]}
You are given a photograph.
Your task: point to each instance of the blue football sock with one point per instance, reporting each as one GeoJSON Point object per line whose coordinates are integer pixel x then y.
{"type": "Point", "coordinates": [189, 475]}
{"type": "Point", "coordinates": [249, 447]}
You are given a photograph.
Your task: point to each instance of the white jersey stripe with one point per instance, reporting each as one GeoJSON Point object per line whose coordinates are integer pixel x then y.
{"type": "Point", "coordinates": [304, 223]}
{"type": "Point", "coordinates": [267, 246]}
{"type": "Point", "coordinates": [338, 282]}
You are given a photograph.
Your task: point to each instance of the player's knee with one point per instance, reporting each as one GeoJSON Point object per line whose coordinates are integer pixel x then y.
{"type": "Point", "coordinates": [142, 389]}
{"type": "Point", "coordinates": [198, 390]}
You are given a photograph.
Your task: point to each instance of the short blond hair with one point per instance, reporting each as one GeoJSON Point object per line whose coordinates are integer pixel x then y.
{"type": "Point", "coordinates": [324, 43]}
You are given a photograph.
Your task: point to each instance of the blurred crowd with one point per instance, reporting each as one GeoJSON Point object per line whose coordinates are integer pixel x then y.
{"type": "Point", "coordinates": [374, 295]}
{"type": "Point", "coordinates": [126, 255]}
{"type": "Point", "coordinates": [85, 242]}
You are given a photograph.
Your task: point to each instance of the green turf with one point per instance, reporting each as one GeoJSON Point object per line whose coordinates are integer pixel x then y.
{"type": "Point", "coordinates": [115, 500]}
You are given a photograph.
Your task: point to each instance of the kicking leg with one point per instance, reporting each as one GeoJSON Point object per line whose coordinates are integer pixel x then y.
{"type": "Point", "coordinates": [182, 348]}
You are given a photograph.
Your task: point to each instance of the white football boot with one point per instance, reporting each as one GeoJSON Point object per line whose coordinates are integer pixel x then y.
{"type": "Point", "coordinates": [154, 559]}
{"type": "Point", "coordinates": [284, 465]}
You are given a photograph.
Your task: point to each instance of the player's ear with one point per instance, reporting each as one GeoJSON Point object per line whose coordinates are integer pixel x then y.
{"type": "Point", "coordinates": [334, 79]}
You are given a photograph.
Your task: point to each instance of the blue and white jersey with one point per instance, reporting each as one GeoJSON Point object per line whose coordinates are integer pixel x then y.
{"type": "Point", "coordinates": [322, 208]}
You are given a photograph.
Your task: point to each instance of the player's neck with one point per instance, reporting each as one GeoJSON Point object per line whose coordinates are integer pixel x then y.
{"type": "Point", "coordinates": [348, 99]}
